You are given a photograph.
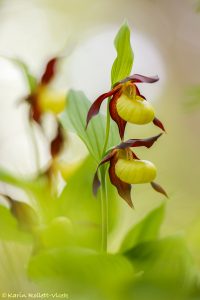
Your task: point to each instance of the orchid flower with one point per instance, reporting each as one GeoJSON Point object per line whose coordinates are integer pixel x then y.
{"type": "Point", "coordinates": [126, 168]}
{"type": "Point", "coordinates": [42, 98]}
{"type": "Point", "coordinates": [127, 104]}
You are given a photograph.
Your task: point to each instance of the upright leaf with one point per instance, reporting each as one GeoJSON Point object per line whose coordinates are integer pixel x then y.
{"type": "Point", "coordinates": [74, 118]}
{"type": "Point", "coordinates": [166, 261]}
{"type": "Point", "coordinates": [147, 229]}
{"type": "Point", "coordinates": [124, 61]}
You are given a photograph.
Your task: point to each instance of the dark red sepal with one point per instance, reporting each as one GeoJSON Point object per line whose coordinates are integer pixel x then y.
{"type": "Point", "coordinates": [123, 188]}
{"type": "Point", "coordinates": [58, 141]}
{"type": "Point", "coordinates": [158, 188]}
{"type": "Point", "coordinates": [158, 123]}
{"type": "Point", "coordinates": [35, 113]}
{"type": "Point", "coordinates": [95, 107]}
{"type": "Point", "coordinates": [148, 142]}
{"type": "Point", "coordinates": [49, 72]}
{"type": "Point", "coordinates": [114, 114]}
{"type": "Point", "coordinates": [96, 182]}
{"type": "Point", "coordinates": [139, 78]}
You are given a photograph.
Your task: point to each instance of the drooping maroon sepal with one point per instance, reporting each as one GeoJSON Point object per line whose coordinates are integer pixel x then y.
{"type": "Point", "coordinates": [158, 188]}
{"type": "Point", "coordinates": [148, 142]}
{"type": "Point", "coordinates": [35, 111]}
{"type": "Point", "coordinates": [114, 114]}
{"type": "Point", "coordinates": [49, 72]}
{"type": "Point", "coordinates": [96, 182]}
{"type": "Point", "coordinates": [159, 124]}
{"type": "Point", "coordinates": [58, 142]}
{"type": "Point", "coordinates": [123, 188]}
{"type": "Point", "coordinates": [95, 107]}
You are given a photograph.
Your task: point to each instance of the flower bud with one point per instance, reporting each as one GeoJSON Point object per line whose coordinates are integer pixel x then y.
{"type": "Point", "coordinates": [135, 110]}
{"type": "Point", "coordinates": [135, 171]}
{"type": "Point", "coordinates": [51, 101]}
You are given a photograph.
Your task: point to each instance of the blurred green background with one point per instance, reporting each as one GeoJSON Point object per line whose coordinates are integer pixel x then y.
{"type": "Point", "coordinates": [165, 40]}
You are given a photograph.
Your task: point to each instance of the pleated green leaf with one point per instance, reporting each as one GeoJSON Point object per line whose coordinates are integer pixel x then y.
{"type": "Point", "coordinates": [74, 119]}
{"type": "Point", "coordinates": [145, 230]}
{"type": "Point", "coordinates": [124, 61]}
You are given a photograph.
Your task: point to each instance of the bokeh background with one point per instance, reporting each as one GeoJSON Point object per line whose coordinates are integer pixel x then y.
{"type": "Point", "coordinates": [165, 40]}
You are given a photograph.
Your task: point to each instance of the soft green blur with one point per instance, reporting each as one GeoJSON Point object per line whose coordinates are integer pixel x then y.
{"type": "Point", "coordinates": [168, 34]}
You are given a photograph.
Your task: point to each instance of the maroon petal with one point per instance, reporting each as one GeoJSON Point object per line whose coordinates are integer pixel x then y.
{"type": "Point", "coordinates": [58, 141]}
{"type": "Point", "coordinates": [139, 78]}
{"type": "Point", "coordinates": [158, 188]}
{"type": "Point", "coordinates": [95, 107]}
{"type": "Point", "coordinates": [148, 142]}
{"type": "Point", "coordinates": [138, 92]}
{"type": "Point", "coordinates": [35, 111]}
{"type": "Point", "coordinates": [96, 182]}
{"type": "Point", "coordinates": [158, 123]}
{"type": "Point", "coordinates": [123, 188]}
{"type": "Point", "coordinates": [49, 72]}
{"type": "Point", "coordinates": [114, 114]}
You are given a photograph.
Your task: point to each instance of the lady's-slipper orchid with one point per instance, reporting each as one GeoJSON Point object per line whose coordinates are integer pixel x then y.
{"type": "Point", "coordinates": [43, 99]}
{"type": "Point", "coordinates": [127, 104]}
{"type": "Point", "coordinates": [126, 168]}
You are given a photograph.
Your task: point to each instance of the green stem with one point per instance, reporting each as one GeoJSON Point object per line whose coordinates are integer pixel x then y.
{"type": "Point", "coordinates": [104, 212]}
{"type": "Point", "coordinates": [107, 129]}
{"type": "Point", "coordinates": [104, 200]}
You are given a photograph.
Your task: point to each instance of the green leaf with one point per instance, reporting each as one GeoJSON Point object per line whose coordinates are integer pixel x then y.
{"type": "Point", "coordinates": [31, 80]}
{"type": "Point", "coordinates": [74, 118]}
{"type": "Point", "coordinates": [9, 229]}
{"type": "Point", "coordinates": [80, 205]}
{"type": "Point", "coordinates": [82, 270]}
{"type": "Point", "coordinates": [166, 261]}
{"type": "Point", "coordinates": [37, 189]}
{"type": "Point", "coordinates": [124, 61]}
{"type": "Point", "coordinates": [147, 229]}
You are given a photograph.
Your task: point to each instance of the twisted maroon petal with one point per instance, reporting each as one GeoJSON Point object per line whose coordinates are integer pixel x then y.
{"type": "Point", "coordinates": [49, 72]}
{"type": "Point", "coordinates": [158, 188]}
{"type": "Point", "coordinates": [158, 123]}
{"type": "Point", "coordinates": [114, 114]}
{"type": "Point", "coordinates": [139, 78]}
{"type": "Point", "coordinates": [123, 188]}
{"type": "Point", "coordinates": [96, 182]}
{"type": "Point", "coordinates": [95, 107]}
{"type": "Point", "coordinates": [148, 142]}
